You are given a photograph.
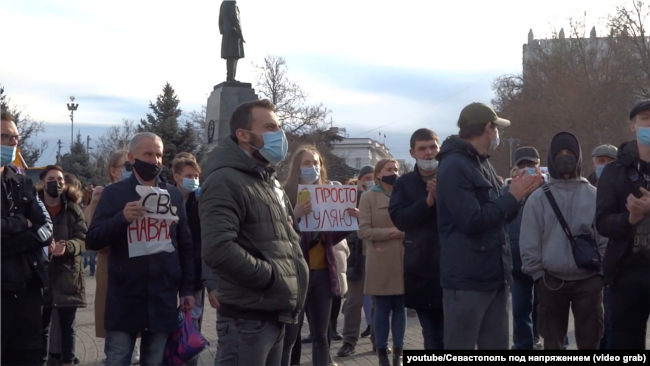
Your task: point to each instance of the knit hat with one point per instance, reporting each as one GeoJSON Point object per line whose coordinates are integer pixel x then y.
{"type": "Point", "coordinates": [368, 169]}
{"type": "Point", "coordinates": [561, 141]}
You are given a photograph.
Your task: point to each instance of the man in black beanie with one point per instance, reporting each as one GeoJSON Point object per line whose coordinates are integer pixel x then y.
{"type": "Point", "coordinates": [562, 282]}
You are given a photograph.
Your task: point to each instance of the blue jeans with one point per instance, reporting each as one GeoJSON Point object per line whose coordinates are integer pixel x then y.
{"type": "Point", "coordinates": [367, 308]}
{"type": "Point", "coordinates": [92, 259]}
{"type": "Point", "coordinates": [524, 313]}
{"type": "Point", "coordinates": [385, 321]}
{"type": "Point", "coordinates": [119, 348]}
{"type": "Point", "coordinates": [433, 331]}
{"type": "Point", "coordinates": [248, 342]}
{"type": "Point", "coordinates": [606, 342]}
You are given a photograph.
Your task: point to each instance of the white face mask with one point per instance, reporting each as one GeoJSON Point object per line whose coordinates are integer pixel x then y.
{"type": "Point", "coordinates": [368, 185]}
{"type": "Point", "coordinates": [427, 165]}
{"type": "Point", "coordinates": [495, 143]}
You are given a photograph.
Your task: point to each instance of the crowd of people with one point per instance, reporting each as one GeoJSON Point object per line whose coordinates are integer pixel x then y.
{"type": "Point", "coordinates": [449, 240]}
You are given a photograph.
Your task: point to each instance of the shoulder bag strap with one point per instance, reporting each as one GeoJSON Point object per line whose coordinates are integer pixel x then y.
{"type": "Point", "coordinates": [558, 213]}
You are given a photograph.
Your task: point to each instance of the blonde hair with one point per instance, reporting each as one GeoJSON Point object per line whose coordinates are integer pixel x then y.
{"type": "Point", "coordinates": [380, 165]}
{"type": "Point", "coordinates": [112, 161]}
{"type": "Point", "coordinates": [293, 179]}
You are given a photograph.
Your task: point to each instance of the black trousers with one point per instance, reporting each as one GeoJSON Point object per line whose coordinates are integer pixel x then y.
{"type": "Point", "coordinates": [630, 306]}
{"type": "Point", "coordinates": [334, 317]}
{"type": "Point", "coordinates": [21, 327]}
{"type": "Point", "coordinates": [66, 324]}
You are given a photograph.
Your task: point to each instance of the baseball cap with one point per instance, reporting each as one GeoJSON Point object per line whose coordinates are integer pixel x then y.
{"type": "Point", "coordinates": [479, 113]}
{"type": "Point", "coordinates": [526, 153]}
{"type": "Point", "coordinates": [640, 106]}
{"type": "Point", "coordinates": [605, 150]}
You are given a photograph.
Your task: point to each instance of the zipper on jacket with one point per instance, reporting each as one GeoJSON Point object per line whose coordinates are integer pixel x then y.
{"type": "Point", "coordinates": [297, 256]}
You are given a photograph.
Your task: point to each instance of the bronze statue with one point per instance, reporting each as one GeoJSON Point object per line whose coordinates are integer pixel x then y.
{"type": "Point", "coordinates": [232, 41]}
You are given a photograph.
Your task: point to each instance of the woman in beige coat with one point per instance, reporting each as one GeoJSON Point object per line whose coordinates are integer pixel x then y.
{"type": "Point", "coordinates": [384, 262]}
{"type": "Point", "coordinates": [116, 172]}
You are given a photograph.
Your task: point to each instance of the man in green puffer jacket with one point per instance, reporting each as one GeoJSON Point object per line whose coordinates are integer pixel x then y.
{"type": "Point", "coordinates": [250, 245]}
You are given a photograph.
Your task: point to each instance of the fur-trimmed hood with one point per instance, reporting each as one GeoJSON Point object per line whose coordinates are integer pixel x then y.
{"type": "Point", "coordinates": [70, 193]}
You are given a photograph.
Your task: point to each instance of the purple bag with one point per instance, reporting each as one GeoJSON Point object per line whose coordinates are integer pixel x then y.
{"type": "Point", "coordinates": [185, 343]}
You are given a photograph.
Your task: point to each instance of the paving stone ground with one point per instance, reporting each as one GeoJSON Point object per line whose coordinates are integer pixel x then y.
{"type": "Point", "coordinates": [90, 350]}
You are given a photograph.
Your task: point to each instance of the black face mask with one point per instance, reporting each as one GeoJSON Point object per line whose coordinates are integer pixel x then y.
{"type": "Point", "coordinates": [389, 179]}
{"type": "Point", "coordinates": [147, 171]}
{"type": "Point", "coordinates": [53, 188]}
{"type": "Point", "coordinates": [566, 165]}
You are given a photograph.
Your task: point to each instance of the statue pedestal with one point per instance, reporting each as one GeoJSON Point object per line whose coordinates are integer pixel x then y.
{"type": "Point", "coordinates": [223, 101]}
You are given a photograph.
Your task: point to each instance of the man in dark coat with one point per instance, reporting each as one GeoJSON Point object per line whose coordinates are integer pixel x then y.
{"type": "Point", "coordinates": [26, 234]}
{"type": "Point", "coordinates": [143, 291]}
{"type": "Point", "coordinates": [472, 216]}
{"type": "Point", "coordinates": [354, 299]}
{"type": "Point", "coordinates": [523, 295]}
{"type": "Point", "coordinates": [412, 209]}
{"type": "Point", "coordinates": [232, 41]}
{"type": "Point", "coordinates": [623, 216]}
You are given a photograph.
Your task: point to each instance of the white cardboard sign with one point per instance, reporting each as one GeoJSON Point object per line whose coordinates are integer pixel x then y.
{"type": "Point", "coordinates": [151, 234]}
{"type": "Point", "coordinates": [328, 204]}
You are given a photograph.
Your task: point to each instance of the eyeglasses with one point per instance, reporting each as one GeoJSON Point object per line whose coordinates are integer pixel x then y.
{"type": "Point", "coordinates": [8, 137]}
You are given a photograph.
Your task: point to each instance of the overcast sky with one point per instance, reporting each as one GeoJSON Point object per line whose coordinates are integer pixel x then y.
{"type": "Point", "coordinates": [380, 66]}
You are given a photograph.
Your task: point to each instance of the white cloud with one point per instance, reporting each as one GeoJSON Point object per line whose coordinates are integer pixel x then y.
{"type": "Point", "coordinates": [54, 49]}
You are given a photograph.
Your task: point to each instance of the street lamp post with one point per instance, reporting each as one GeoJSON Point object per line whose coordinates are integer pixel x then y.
{"type": "Point", "coordinates": [72, 107]}
{"type": "Point", "coordinates": [511, 141]}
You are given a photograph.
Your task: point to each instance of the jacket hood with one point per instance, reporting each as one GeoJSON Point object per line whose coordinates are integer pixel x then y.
{"type": "Point", "coordinates": [70, 193]}
{"type": "Point", "coordinates": [230, 155]}
{"type": "Point", "coordinates": [454, 144]}
{"type": "Point", "coordinates": [561, 141]}
{"type": "Point", "coordinates": [628, 153]}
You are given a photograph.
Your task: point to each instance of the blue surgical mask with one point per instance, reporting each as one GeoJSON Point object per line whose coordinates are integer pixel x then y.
{"type": "Point", "coordinates": [599, 170]}
{"type": "Point", "coordinates": [190, 185]}
{"type": "Point", "coordinates": [7, 155]}
{"type": "Point", "coordinates": [527, 171]}
{"type": "Point", "coordinates": [310, 175]}
{"type": "Point", "coordinates": [275, 146]}
{"type": "Point", "coordinates": [125, 174]}
{"type": "Point", "coordinates": [643, 135]}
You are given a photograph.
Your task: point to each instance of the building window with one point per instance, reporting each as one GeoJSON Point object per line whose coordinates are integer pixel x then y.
{"type": "Point", "coordinates": [358, 163]}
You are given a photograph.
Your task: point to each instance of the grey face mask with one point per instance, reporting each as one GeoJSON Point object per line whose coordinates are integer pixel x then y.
{"type": "Point", "coordinates": [495, 143]}
{"type": "Point", "coordinates": [427, 165]}
{"type": "Point", "coordinates": [368, 185]}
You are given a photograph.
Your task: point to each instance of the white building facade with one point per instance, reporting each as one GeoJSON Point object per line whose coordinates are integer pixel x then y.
{"type": "Point", "coordinates": [359, 152]}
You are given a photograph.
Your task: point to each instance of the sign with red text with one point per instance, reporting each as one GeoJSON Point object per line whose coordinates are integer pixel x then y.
{"type": "Point", "coordinates": [329, 204]}
{"type": "Point", "coordinates": [151, 233]}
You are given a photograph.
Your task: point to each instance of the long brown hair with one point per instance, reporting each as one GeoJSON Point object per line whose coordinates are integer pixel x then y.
{"type": "Point", "coordinates": [293, 179]}
{"type": "Point", "coordinates": [380, 165]}
{"type": "Point", "coordinates": [112, 162]}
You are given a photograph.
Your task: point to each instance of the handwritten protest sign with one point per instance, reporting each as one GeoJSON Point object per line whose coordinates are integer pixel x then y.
{"type": "Point", "coordinates": [151, 234]}
{"type": "Point", "coordinates": [328, 204]}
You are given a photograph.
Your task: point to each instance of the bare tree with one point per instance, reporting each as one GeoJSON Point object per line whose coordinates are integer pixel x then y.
{"type": "Point", "coordinates": [627, 24]}
{"type": "Point", "coordinates": [116, 138]}
{"type": "Point", "coordinates": [303, 123]}
{"type": "Point", "coordinates": [575, 84]}
{"type": "Point", "coordinates": [289, 98]}
{"type": "Point", "coordinates": [28, 129]}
